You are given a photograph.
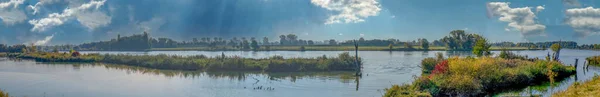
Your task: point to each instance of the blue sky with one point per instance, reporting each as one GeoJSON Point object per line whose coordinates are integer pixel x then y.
{"type": "Point", "coordinates": [78, 21]}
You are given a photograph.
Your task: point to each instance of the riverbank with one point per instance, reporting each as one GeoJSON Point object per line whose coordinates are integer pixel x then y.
{"type": "Point", "coordinates": [594, 60]}
{"type": "Point", "coordinates": [588, 88]}
{"type": "Point", "coordinates": [343, 62]}
{"type": "Point", "coordinates": [479, 76]}
{"type": "Point", "coordinates": [329, 48]}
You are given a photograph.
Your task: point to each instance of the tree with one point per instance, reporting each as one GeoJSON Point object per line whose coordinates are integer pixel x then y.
{"type": "Point", "coordinates": [265, 41]}
{"type": "Point", "coordinates": [245, 44]}
{"type": "Point", "coordinates": [195, 40]}
{"type": "Point", "coordinates": [310, 42]}
{"type": "Point", "coordinates": [556, 48]}
{"type": "Point", "coordinates": [408, 45]}
{"type": "Point", "coordinates": [332, 42]}
{"type": "Point", "coordinates": [532, 47]}
{"type": "Point", "coordinates": [391, 46]}
{"type": "Point", "coordinates": [254, 45]}
{"type": "Point", "coordinates": [3, 48]}
{"type": "Point", "coordinates": [481, 48]}
{"type": "Point", "coordinates": [282, 40]}
{"type": "Point", "coordinates": [361, 40]}
{"type": "Point", "coordinates": [292, 39]}
{"type": "Point", "coordinates": [425, 44]}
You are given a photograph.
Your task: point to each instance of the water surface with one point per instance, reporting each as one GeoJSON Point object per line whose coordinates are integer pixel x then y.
{"type": "Point", "coordinates": [381, 69]}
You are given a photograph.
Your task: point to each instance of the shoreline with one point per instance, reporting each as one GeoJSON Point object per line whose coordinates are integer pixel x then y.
{"type": "Point", "coordinates": [318, 48]}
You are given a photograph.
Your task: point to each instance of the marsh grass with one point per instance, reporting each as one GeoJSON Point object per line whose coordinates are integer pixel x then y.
{"type": "Point", "coordinates": [588, 88]}
{"type": "Point", "coordinates": [481, 76]}
{"type": "Point", "coordinates": [594, 60]}
{"type": "Point", "coordinates": [343, 62]}
{"type": "Point", "coordinates": [3, 94]}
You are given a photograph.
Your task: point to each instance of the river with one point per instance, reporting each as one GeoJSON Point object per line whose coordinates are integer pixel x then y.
{"type": "Point", "coordinates": [381, 69]}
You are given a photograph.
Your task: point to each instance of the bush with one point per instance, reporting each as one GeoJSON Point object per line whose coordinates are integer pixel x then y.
{"type": "Point", "coordinates": [428, 64]}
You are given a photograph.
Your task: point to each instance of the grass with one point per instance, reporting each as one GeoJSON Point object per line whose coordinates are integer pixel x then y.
{"type": "Point", "coordinates": [588, 88]}
{"type": "Point", "coordinates": [3, 94]}
{"type": "Point", "coordinates": [594, 60]}
{"type": "Point", "coordinates": [479, 76]}
{"type": "Point", "coordinates": [325, 48]}
{"type": "Point", "coordinates": [344, 62]}
{"type": "Point", "coordinates": [3, 54]}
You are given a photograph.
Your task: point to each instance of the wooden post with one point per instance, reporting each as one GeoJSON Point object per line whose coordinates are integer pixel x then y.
{"type": "Point", "coordinates": [358, 72]}
{"type": "Point", "coordinates": [576, 61]}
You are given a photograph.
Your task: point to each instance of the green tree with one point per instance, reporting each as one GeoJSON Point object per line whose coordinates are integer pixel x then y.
{"type": "Point", "coordinates": [408, 45]}
{"type": "Point", "coordinates": [266, 41]}
{"type": "Point", "coordinates": [245, 44]}
{"type": "Point", "coordinates": [481, 48]}
{"type": "Point", "coordinates": [254, 45]}
{"type": "Point", "coordinates": [282, 40]}
{"type": "Point", "coordinates": [425, 44]}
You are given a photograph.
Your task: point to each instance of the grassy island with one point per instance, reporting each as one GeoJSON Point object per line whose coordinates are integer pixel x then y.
{"type": "Point", "coordinates": [479, 76]}
{"type": "Point", "coordinates": [344, 62]}
{"type": "Point", "coordinates": [588, 88]}
{"type": "Point", "coordinates": [594, 60]}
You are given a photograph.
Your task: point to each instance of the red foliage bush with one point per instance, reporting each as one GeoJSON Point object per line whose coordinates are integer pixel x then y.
{"type": "Point", "coordinates": [441, 67]}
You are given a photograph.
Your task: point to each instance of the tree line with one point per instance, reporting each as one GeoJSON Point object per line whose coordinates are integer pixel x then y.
{"type": "Point", "coordinates": [455, 40]}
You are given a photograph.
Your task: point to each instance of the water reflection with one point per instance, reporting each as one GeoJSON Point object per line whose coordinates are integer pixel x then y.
{"type": "Point", "coordinates": [344, 77]}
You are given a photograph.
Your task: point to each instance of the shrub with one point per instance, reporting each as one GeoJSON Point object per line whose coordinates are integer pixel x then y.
{"type": "Point", "coordinates": [428, 64]}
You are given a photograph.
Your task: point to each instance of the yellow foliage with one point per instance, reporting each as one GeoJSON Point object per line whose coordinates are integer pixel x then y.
{"type": "Point", "coordinates": [588, 89]}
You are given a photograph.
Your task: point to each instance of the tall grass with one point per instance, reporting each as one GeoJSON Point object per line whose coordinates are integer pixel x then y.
{"type": "Point", "coordinates": [3, 94]}
{"type": "Point", "coordinates": [344, 62]}
{"type": "Point", "coordinates": [588, 88]}
{"type": "Point", "coordinates": [479, 76]}
{"type": "Point", "coordinates": [594, 60]}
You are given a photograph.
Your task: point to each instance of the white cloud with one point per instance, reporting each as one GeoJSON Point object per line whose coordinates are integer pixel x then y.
{"type": "Point", "coordinates": [520, 19]}
{"type": "Point", "coordinates": [349, 11]}
{"type": "Point", "coordinates": [80, 12]}
{"type": "Point", "coordinates": [36, 8]}
{"type": "Point", "coordinates": [538, 9]}
{"type": "Point", "coordinates": [153, 24]}
{"type": "Point", "coordinates": [93, 19]}
{"type": "Point", "coordinates": [574, 3]}
{"type": "Point", "coordinates": [44, 41]}
{"type": "Point", "coordinates": [585, 21]}
{"type": "Point", "coordinates": [13, 3]}
{"type": "Point", "coordinates": [9, 12]}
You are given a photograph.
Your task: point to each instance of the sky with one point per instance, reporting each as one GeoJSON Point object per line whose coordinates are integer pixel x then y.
{"type": "Point", "coordinates": [55, 22]}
